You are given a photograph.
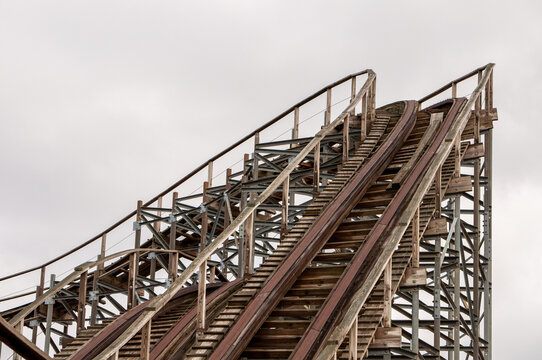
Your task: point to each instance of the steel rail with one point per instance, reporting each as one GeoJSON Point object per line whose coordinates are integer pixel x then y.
{"type": "Point", "coordinates": [163, 299]}
{"type": "Point", "coordinates": [193, 172]}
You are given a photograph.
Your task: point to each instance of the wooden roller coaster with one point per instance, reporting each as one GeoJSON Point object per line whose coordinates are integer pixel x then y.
{"type": "Point", "coordinates": [368, 237]}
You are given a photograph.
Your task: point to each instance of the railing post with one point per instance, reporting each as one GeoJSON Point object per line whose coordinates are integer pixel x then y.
{"type": "Point", "coordinates": [202, 275]}
{"type": "Point", "coordinates": [386, 319]}
{"type": "Point", "coordinates": [82, 302]}
{"type": "Point", "coordinates": [373, 101]}
{"type": "Point", "coordinates": [346, 138]}
{"type": "Point", "coordinates": [457, 281]}
{"type": "Point", "coordinates": [364, 109]}
{"type": "Point", "coordinates": [295, 130]}
{"type": "Point", "coordinates": [327, 119]}
{"type": "Point", "coordinates": [454, 90]}
{"type": "Point", "coordinates": [173, 256]}
{"type": "Point", "coordinates": [49, 319]}
{"type": "Point", "coordinates": [145, 341]}
{"type": "Point", "coordinates": [285, 202]}
{"type": "Point", "coordinates": [39, 292]}
{"type": "Point", "coordinates": [137, 246]}
{"type": "Point", "coordinates": [316, 172]}
{"type": "Point", "coordinates": [130, 303]}
{"type": "Point", "coordinates": [438, 189]}
{"type": "Point", "coordinates": [210, 173]}
{"type": "Point", "coordinates": [353, 341]}
{"type": "Point", "coordinates": [249, 245]}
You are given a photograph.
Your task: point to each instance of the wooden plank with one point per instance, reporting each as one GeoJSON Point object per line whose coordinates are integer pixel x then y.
{"type": "Point", "coordinates": [387, 337]}
{"type": "Point", "coordinates": [388, 297]}
{"type": "Point", "coordinates": [474, 151]}
{"type": "Point", "coordinates": [16, 341]}
{"type": "Point", "coordinates": [436, 227]}
{"type": "Point", "coordinates": [459, 184]}
{"type": "Point", "coordinates": [145, 341]}
{"type": "Point", "coordinates": [414, 277]}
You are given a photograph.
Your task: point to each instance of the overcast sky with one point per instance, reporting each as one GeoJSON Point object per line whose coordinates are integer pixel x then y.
{"type": "Point", "coordinates": [103, 103]}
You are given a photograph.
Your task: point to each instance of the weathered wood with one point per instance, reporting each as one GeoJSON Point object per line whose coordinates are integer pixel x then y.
{"type": "Point", "coordinates": [353, 341]}
{"type": "Point", "coordinates": [316, 170]}
{"type": "Point", "coordinates": [474, 151]}
{"type": "Point", "coordinates": [202, 275]}
{"type": "Point", "coordinates": [15, 340]}
{"type": "Point", "coordinates": [145, 342]}
{"type": "Point", "coordinates": [82, 301]}
{"type": "Point", "coordinates": [388, 297]}
{"type": "Point", "coordinates": [328, 107]}
{"type": "Point", "coordinates": [436, 227]}
{"type": "Point", "coordinates": [459, 185]}
{"type": "Point", "coordinates": [173, 257]}
{"type": "Point", "coordinates": [387, 337]}
{"type": "Point", "coordinates": [346, 139]}
{"type": "Point", "coordinates": [284, 206]}
{"type": "Point", "coordinates": [131, 281]}
{"type": "Point", "coordinates": [414, 276]}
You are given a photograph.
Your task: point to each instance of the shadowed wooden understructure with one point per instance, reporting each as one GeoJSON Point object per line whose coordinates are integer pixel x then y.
{"type": "Point", "coordinates": [358, 232]}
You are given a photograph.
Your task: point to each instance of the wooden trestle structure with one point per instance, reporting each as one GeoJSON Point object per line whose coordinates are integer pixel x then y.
{"type": "Point", "coordinates": [368, 238]}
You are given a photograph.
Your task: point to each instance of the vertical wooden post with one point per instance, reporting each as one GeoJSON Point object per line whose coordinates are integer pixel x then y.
{"type": "Point", "coordinates": [173, 257]}
{"type": "Point", "coordinates": [131, 281]}
{"type": "Point", "coordinates": [202, 275]}
{"type": "Point", "coordinates": [137, 246]}
{"type": "Point", "coordinates": [353, 341]}
{"type": "Point", "coordinates": [457, 156]}
{"type": "Point", "coordinates": [39, 292]}
{"type": "Point", "coordinates": [316, 172]}
{"type": "Point", "coordinates": [145, 341]}
{"type": "Point", "coordinates": [353, 91]}
{"type": "Point", "coordinates": [386, 319]}
{"type": "Point", "coordinates": [95, 282]}
{"type": "Point", "coordinates": [364, 109]}
{"type": "Point", "coordinates": [212, 274]}
{"type": "Point", "coordinates": [249, 245]}
{"type": "Point", "coordinates": [49, 319]}
{"type": "Point", "coordinates": [210, 173]}
{"type": "Point", "coordinates": [454, 90]}
{"type": "Point", "coordinates": [227, 216]}
{"type": "Point", "coordinates": [346, 138]}
{"type": "Point", "coordinates": [82, 302]}
{"type": "Point", "coordinates": [157, 227]}
{"type": "Point", "coordinates": [327, 119]}
{"type": "Point", "coordinates": [373, 102]}
{"type": "Point", "coordinates": [295, 130]}
{"type": "Point", "coordinates": [255, 160]}
{"type": "Point", "coordinates": [438, 189]}
{"type": "Point", "coordinates": [285, 202]}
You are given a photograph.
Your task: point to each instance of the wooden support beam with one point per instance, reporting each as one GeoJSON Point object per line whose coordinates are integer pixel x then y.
{"type": "Point", "coordinates": [327, 119]}
{"type": "Point", "coordinates": [316, 170]}
{"type": "Point", "coordinates": [137, 246]}
{"type": "Point", "coordinates": [474, 151]}
{"type": "Point", "coordinates": [459, 185]}
{"type": "Point", "coordinates": [82, 302]}
{"type": "Point", "coordinates": [249, 246]}
{"type": "Point", "coordinates": [436, 227]}
{"type": "Point", "coordinates": [353, 341]}
{"type": "Point", "coordinates": [364, 110]}
{"type": "Point", "coordinates": [454, 90]}
{"type": "Point", "coordinates": [295, 130]}
{"type": "Point", "coordinates": [386, 338]}
{"type": "Point", "coordinates": [173, 258]}
{"type": "Point", "coordinates": [210, 173]}
{"type": "Point", "coordinates": [438, 195]}
{"type": "Point", "coordinates": [131, 281]}
{"type": "Point", "coordinates": [49, 319]}
{"type": "Point", "coordinates": [145, 342]}
{"type": "Point", "coordinates": [39, 292]}
{"type": "Point", "coordinates": [346, 138]}
{"type": "Point", "coordinates": [15, 340]}
{"type": "Point", "coordinates": [388, 295]}
{"type": "Point", "coordinates": [285, 203]}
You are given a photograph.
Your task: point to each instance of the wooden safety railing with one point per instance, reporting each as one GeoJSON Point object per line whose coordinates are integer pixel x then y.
{"type": "Point", "coordinates": [410, 214]}
{"type": "Point", "coordinates": [197, 264]}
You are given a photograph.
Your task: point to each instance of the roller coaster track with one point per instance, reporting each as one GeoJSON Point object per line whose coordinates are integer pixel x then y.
{"type": "Point", "coordinates": [368, 237]}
